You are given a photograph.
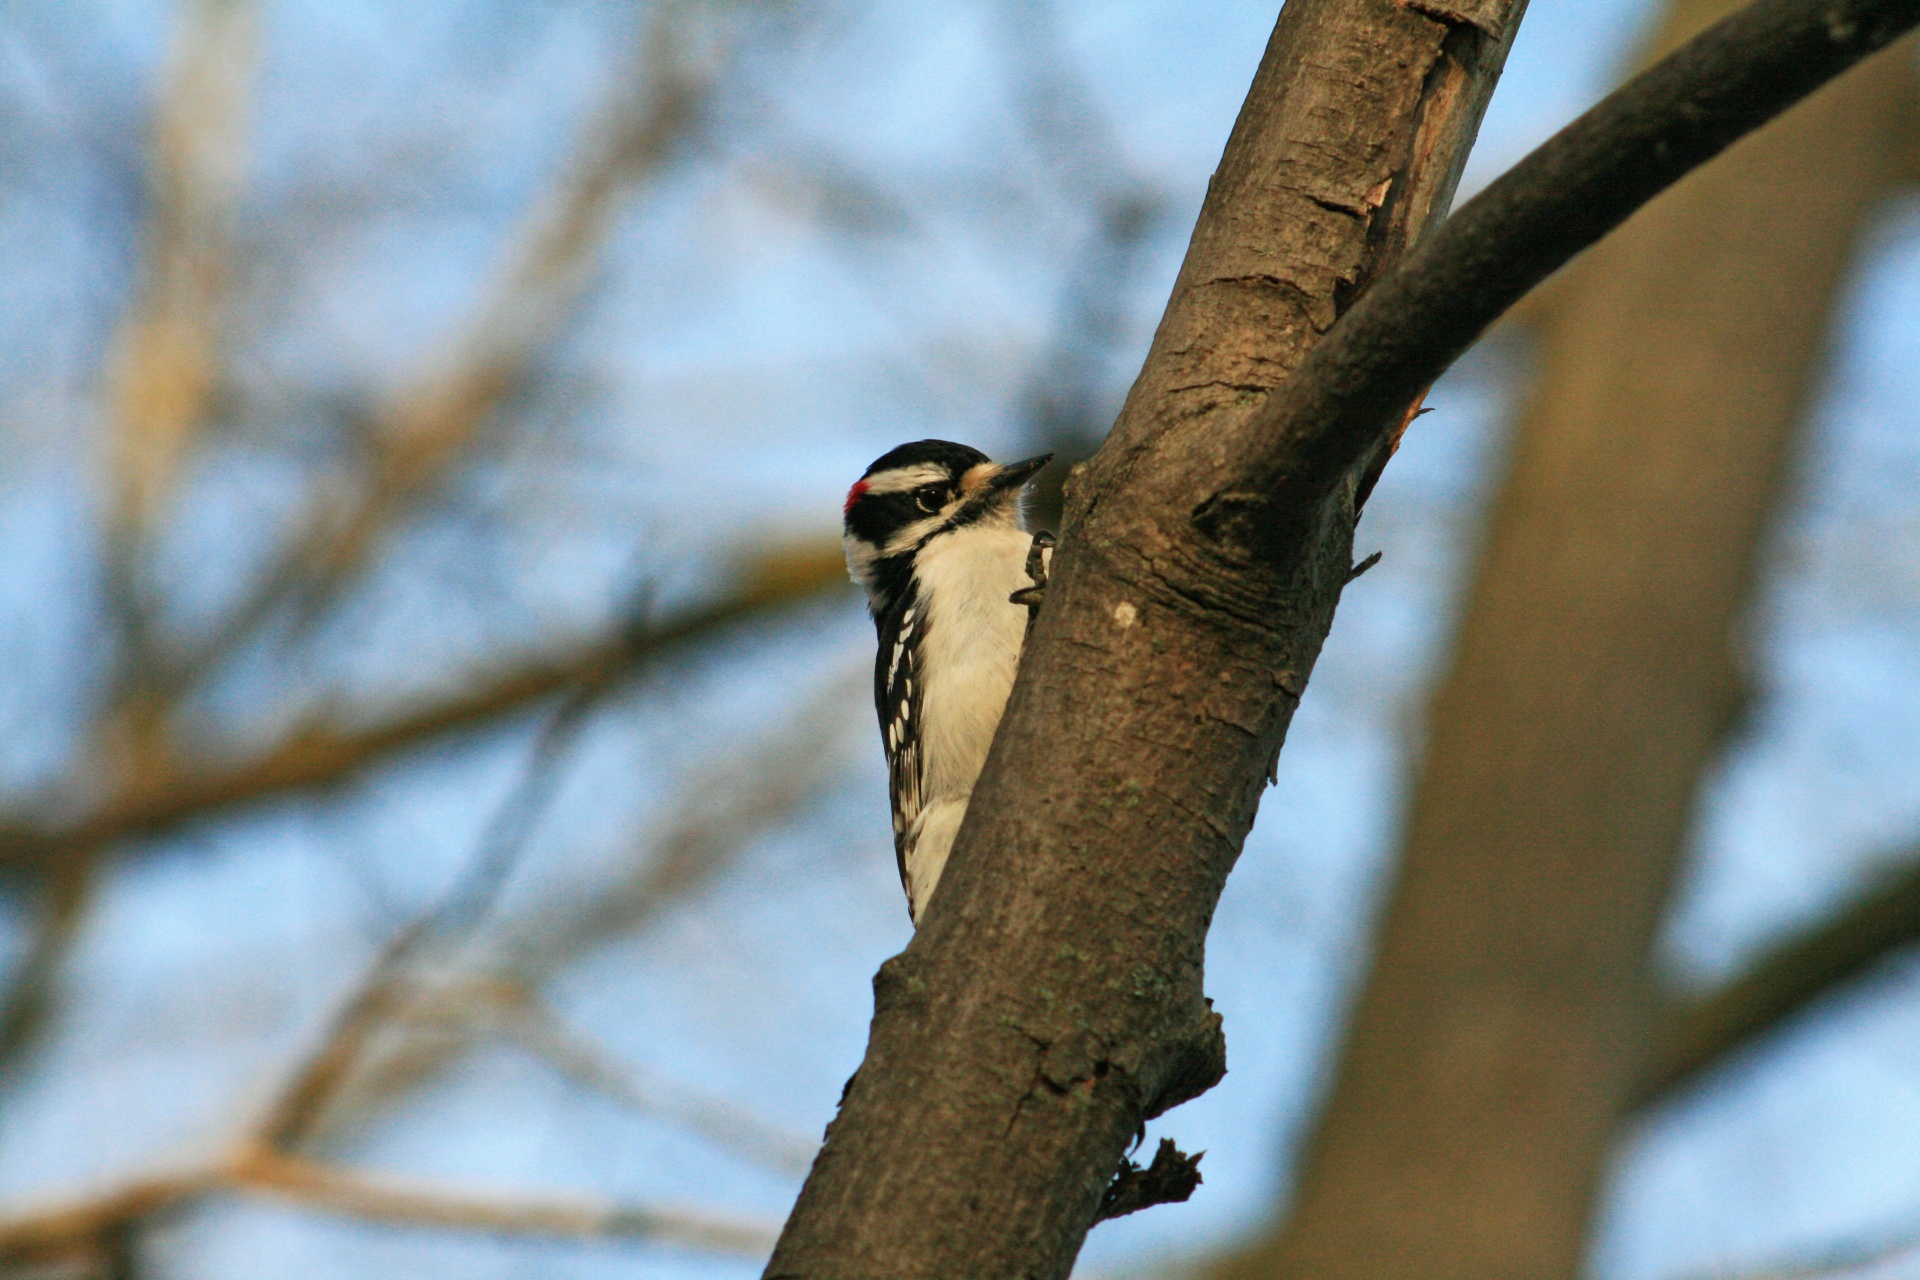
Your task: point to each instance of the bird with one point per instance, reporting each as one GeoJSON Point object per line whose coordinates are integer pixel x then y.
{"type": "Point", "coordinates": [935, 533]}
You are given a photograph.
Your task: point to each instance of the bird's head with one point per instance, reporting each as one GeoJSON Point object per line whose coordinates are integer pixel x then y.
{"type": "Point", "coordinates": [921, 491]}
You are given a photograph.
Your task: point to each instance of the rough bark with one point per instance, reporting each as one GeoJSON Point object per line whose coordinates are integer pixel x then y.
{"type": "Point", "coordinates": [1052, 999]}
{"type": "Point", "coordinates": [1022, 1089]}
{"type": "Point", "coordinates": [1502, 1028]}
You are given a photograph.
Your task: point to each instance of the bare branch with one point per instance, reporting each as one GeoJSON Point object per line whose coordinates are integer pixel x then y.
{"type": "Point", "coordinates": [392, 985]}
{"type": "Point", "coordinates": [1694, 1038]}
{"type": "Point", "coordinates": [722, 810]}
{"type": "Point", "coordinates": [1172, 1178]}
{"type": "Point", "coordinates": [1052, 997]}
{"type": "Point", "coordinates": [28, 997]}
{"type": "Point", "coordinates": [430, 425]}
{"type": "Point", "coordinates": [1838, 1259]}
{"type": "Point", "coordinates": [533, 1025]}
{"type": "Point", "coordinates": [1416, 320]}
{"type": "Point", "coordinates": [310, 1089]}
{"type": "Point", "coordinates": [392, 997]}
{"type": "Point", "coordinates": [433, 422]}
{"type": "Point", "coordinates": [719, 814]}
{"type": "Point", "coordinates": [53, 1235]}
{"type": "Point", "coordinates": [166, 359]}
{"type": "Point", "coordinates": [324, 756]}
{"type": "Point", "coordinates": [412, 1202]}
{"type": "Point", "coordinates": [167, 362]}
{"type": "Point", "coordinates": [1066, 396]}
{"type": "Point", "coordinates": [49, 1235]}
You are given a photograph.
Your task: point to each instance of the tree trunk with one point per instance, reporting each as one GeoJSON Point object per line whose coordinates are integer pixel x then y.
{"type": "Point", "coordinates": [1082, 1016]}
{"type": "Point", "coordinates": [1052, 1000]}
{"type": "Point", "coordinates": [1500, 1031]}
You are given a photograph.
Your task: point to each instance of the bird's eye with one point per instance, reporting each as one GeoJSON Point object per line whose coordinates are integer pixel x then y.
{"type": "Point", "coordinates": [930, 497]}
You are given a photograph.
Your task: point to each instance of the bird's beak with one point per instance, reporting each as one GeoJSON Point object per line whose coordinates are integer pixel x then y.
{"type": "Point", "coordinates": [1015, 474]}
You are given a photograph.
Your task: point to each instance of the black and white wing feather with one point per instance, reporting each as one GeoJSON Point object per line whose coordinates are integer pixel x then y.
{"type": "Point", "coordinates": [897, 693]}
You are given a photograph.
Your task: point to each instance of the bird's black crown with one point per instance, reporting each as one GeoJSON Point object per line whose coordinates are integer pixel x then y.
{"type": "Point", "coordinates": [874, 514]}
{"type": "Point", "coordinates": [957, 459]}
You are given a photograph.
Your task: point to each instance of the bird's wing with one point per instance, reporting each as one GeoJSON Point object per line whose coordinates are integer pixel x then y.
{"type": "Point", "coordinates": [897, 692]}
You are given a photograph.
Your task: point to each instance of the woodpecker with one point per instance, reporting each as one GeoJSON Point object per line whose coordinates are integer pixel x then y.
{"type": "Point", "coordinates": [936, 535]}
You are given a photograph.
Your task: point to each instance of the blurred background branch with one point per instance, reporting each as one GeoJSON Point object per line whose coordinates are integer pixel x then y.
{"type": "Point", "coordinates": [432, 423]}
{"type": "Point", "coordinates": [85, 1229]}
{"type": "Point", "coordinates": [1593, 686]}
{"type": "Point", "coordinates": [1692, 1037]}
{"type": "Point", "coordinates": [167, 367]}
{"type": "Point", "coordinates": [425, 433]}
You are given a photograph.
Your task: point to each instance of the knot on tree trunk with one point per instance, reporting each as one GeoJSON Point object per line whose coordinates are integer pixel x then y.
{"type": "Point", "coordinates": [1236, 523]}
{"type": "Point", "coordinates": [1191, 1061]}
{"type": "Point", "coordinates": [896, 984]}
{"type": "Point", "coordinates": [1270, 525]}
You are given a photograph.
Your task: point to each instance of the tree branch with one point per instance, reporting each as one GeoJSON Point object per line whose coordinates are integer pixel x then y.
{"type": "Point", "coordinates": [1171, 1179]}
{"type": "Point", "coordinates": [29, 993]}
{"type": "Point", "coordinates": [393, 988]}
{"type": "Point", "coordinates": [56, 1235]}
{"type": "Point", "coordinates": [531, 1024]}
{"type": "Point", "coordinates": [1839, 1258]}
{"type": "Point", "coordinates": [721, 810]}
{"type": "Point", "coordinates": [166, 363]}
{"type": "Point", "coordinates": [52, 1235]}
{"type": "Point", "coordinates": [416, 1203]}
{"type": "Point", "coordinates": [1499, 1031]}
{"type": "Point", "coordinates": [64, 861]}
{"type": "Point", "coordinates": [322, 757]}
{"type": "Point", "coordinates": [437, 417]}
{"type": "Point", "coordinates": [166, 360]}
{"type": "Point", "coordinates": [1697, 1037]}
{"type": "Point", "coordinates": [433, 422]}
{"type": "Point", "coordinates": [1052, 997]}
{"type": "Point", "coordinates": [1582, 183]}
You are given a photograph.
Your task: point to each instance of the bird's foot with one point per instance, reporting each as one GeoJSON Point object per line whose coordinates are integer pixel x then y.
{"type": "Point", "coordinates": [1038, 558]}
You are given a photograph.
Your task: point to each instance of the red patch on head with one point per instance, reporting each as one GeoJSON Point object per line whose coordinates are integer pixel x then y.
{"type": "Point", "coordinates": [853, 496]}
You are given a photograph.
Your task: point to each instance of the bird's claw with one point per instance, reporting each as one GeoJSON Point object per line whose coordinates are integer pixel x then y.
{"type": "Point", "coordinates": [1037, 558]}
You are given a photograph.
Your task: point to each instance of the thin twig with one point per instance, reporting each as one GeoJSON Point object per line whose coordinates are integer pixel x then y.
{"type": "Point", "coordinates": [323, 756]}
{"type": "Point", "coordinates": [412, 1202]}
{"type": "Point", "coordinates": [167, 354]}
{"type": "Point", "coordinates": [28, 997]}
{"type": "Point", "coordinates": [1839, 1259]}
{"type": "Point", "coordinates": [435, 420]}
{"type": "Point", "coordinates": [720, 813]}
{"type": "Point", "coordinates": [532, 1025]}
{"type": "Point", "coordinates": [433, 423]}
{"type": "Point", "coordinates": [1172, 1178]}
{"type": "Point", "coordinates": [46, 1236]}
{"type": "Point", "coordinates": [166, 361]}
{"type": "Point", "coordinates": [390, 985]}
{"type": "Point", "coordinates": [1066, 399]}
{"type": "Point", "coordinates": [722, 810]}
{"type": "Point", "coordinates": [514, 821]}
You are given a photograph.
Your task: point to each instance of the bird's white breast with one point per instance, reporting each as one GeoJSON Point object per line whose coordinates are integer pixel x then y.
{"type": "Point", "coordinates": [973, 640]}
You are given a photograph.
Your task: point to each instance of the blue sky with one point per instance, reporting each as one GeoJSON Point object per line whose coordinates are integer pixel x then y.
{"type": "Point", "coordinates": [869, 244]}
